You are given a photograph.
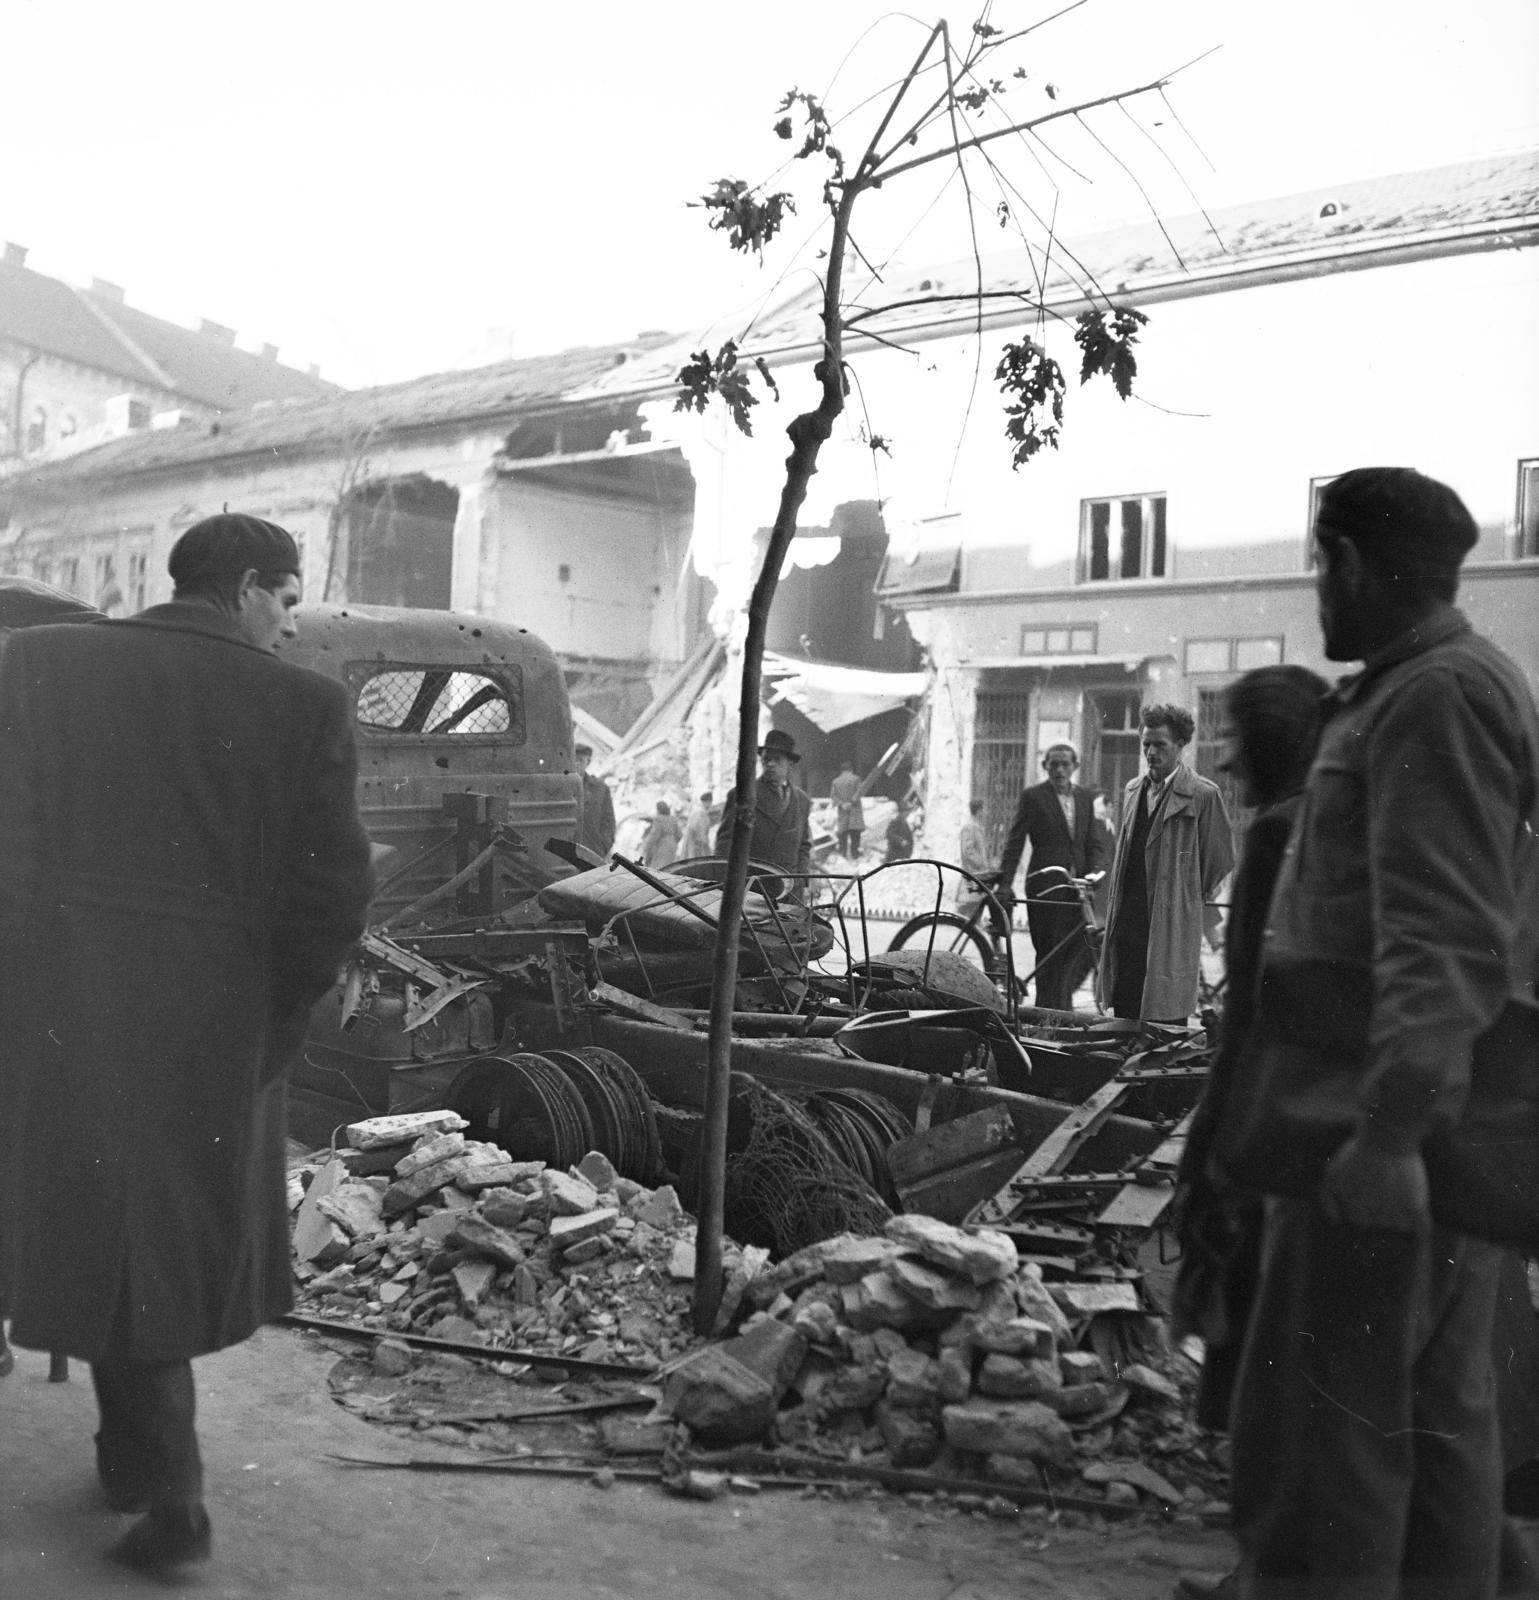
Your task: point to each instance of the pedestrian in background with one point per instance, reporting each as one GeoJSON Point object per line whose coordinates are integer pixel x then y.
{"type": "Point", "coordinates": [1174, 848]}
{"type": "Point", "coordinates": [1057, 818]}
{"type": "Point", "coordinates": [781, 816]}
{"type": "Point", "coordinates": [660, 843]}
{"type": "Point", "coordinates": [1392, 1081]}
{"type": "Point", "coordinates": [697, 829]}
{"type": "Point", "coordinates": [182, 869]}
{"type": "Point", "coordinates": [849, 814]}
{"type": "Point", "coordinates": [596, 821]}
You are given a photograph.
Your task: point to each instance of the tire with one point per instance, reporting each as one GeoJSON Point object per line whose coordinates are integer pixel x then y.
{"type": "Point", "coordinates": [951, 932]}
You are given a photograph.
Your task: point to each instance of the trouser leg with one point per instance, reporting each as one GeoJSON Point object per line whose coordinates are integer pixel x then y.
{"type": "Point", "coordinates": [148, 1441]}
{"type": "Point", "coordinates": [1364, 1395]}
{"type": "Point", "coordinates": [1127, 996]}
{"type": "Point", "coordinates": [1050, 926]}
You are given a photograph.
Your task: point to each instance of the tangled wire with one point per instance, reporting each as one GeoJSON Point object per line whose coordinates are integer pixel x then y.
{"type": "Point", "coordinates": [787, 1188]}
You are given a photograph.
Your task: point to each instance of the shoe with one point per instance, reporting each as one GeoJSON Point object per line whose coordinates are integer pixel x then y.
{"type": "Point", "coordinates": [1190, 1587]}
{"type": "Point", "coordinates": [7, 1359]}
{"type": "Point", "coordinates": [165, 1539]}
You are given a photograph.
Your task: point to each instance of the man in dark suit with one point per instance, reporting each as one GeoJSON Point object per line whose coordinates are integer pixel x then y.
{"type": "Point", "coordinates": [596, 825]}
{"type": "Point", "coordinates": [782, 828]}
{"type": "Point", "coordinates": [1057, 816]}
{"type": "Point", "coordinates": [182, 868]}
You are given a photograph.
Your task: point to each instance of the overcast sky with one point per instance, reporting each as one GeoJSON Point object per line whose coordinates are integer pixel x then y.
{"type": "Point", "coordinates": [389, 188]}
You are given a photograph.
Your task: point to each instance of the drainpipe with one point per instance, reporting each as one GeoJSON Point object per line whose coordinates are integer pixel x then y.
{"type": "Point", "coordinates": [17, 436]}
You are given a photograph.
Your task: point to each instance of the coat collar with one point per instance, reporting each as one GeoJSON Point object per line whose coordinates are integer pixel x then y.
{"type": "Point", "coordinates": [1437, 629]}
{"type": "Point", "coordinates": [191, 616]}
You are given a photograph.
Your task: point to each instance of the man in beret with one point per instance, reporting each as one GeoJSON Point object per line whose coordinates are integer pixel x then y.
{"type": "Point", "coordinates": [1395, 1006]}
{"type": "Point", "coordinates": [782, 826]}
{"type": "Point", "coordinates": [182, 869]}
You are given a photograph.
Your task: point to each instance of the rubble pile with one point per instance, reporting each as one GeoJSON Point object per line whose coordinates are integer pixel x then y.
{"type": "Point", "coordinates": [925, 1348]}
{"type": "Point", "coordinates": [935, 1348]}
{"type": "Point", "coordinates": [414, 1228]}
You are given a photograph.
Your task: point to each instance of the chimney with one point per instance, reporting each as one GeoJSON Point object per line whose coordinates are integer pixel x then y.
{"type": "Point", "coordinates": [269, 352]}
{"type": "Point", "coordinates": [217, 330]}
{"type": "Point", "coordinates": [107, 291]}
{"type": "Point", "coordinates": [15, 254]}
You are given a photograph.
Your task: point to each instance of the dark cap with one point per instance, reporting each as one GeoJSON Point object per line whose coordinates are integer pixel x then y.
{"type": "Point", "coordinates": [223, 547]}
{"type": "Point", "coordinates": [779, 743]}
{"type": "Point", "coordinates": [1401, 520]}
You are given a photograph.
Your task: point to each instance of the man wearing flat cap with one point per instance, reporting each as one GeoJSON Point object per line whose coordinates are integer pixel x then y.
{"type": "Point", "coordinates": [1394, 1080]}
{"type": "Point", "coordinates": [782, 827]}
{"type": "Point", "coordinates": [182, 869]}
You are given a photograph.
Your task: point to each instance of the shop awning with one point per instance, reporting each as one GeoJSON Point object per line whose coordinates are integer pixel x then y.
{"type": "Point", "coordinates": [833, 696]}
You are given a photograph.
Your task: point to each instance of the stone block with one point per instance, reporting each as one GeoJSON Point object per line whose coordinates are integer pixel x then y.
{"type": "Point", "coordinates": [913, 1380]}
{"type": "Point", "coordinates": [474, 1279]}
{"type": "Point", "coordinates": [316, 1237]}
{"type": "Point", "coordinates": [1144, 1380]}
{"type": "Point", "coordinates": [436, 1226]}
{"type": "Point", "coordinates": [370, 1163]}
{"type": "Point", "coordinates": [719, 1399]}
{"type": "Point", "coordinates": [427, 1152]}
{"type": "Point", "coordinates": [571, 1228]}
{"type": "Point", "coordinates": [932, 1287]}
{"type": "Point", "coordinates": [1008, 1427]}
{"type": "Point", "coordinates": [877, 1302]}
{"type": "Point", "coordinates": [457, 1330]}
{"type": "Point", "coordinates": [374, 1133]}
{"type": "Point", "coordinates": [392, 1357]}
{"type": "Point", "coordinates": [1020, 1336]}
{"type": "Point", "coordinates": [1015, 1469]}
{"type": "Point", "coordinates": [597, 1169]}
{"type": "Point", "coordinates": [849, 1258]}
{"type": "Point", "coordinates": [1033, 1300]}
{"type": "Point", "coordinates": [355, 1208]}
{"type": "Point", "coordinates": [526, 1287]}
{"type": "Point", "coordinates": [681, 1261]}
{"type": "Point", "coordinates": [411, 1191]}
{"type": "Point", "coordinates": [1081, 1399]}
{"type": "Point", "coordinates": [1081, 1366]}
{"type": "Point", "coordinates": [981, 1255]}
{"type": "Point", "coordinates": [1010, 1378]}
{"type": "Point", "coordinates": [506, 1211]}
{"type": "Point", "coordinates": [854, 1388]}
{"type": "Point", "coordinates": [1136, 1473]}
{"type": "Point", "coordinates": [772, 1349]}
{"type": "Point", "coordinates": [627, 1436]}
{"type": "Point", "coordinates": [659, 1209]}
{"type": "Point", "coordinates": [955, 1374]}
{"type": "Point", "coordinates": [912, 1438]}
{"type": "Point", "coordinates": [476, 1233]}
{"type": "Point", "coordinates": [816, 1321]}
{"type": "Point", "coordinates": [478, 1174]}
{"type": "Point", "coordinates": [568, 1196]}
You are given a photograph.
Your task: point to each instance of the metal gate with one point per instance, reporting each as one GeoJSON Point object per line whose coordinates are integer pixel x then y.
{"type": "Point", "coordinates": [1001, 744]}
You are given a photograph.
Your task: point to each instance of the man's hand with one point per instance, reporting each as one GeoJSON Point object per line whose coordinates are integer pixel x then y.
{"type": "Point", "coordinates": [1370, 1187]}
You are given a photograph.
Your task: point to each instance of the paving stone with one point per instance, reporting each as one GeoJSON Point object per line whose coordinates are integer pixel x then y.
{"type": "Point", "coordinates": [474, 1279]}
{"type": "Point", "coordinates": [913, 1380]}
{"type": "Point", "coordinates": [912, 1438]}
{"type": "Point", "coordinates": [955, 1368]}
{"type": "Point", "coordinates": [1082, 1400]}
{"type": "Point", "coordinates": [476, 1233]}
{"type": "Point", "coordinates": [855, 1388]}
{"type": "Point", "coordinates": [930, 1286]}
{"type": "Point", "coordinates": [877, 1302]}
{"type": "Point", "coordinates": [627, 1436]}
{"type": "Point", "coordinates": [374, 1132]}
{"type": "Point", "coordinates": [571, 1229]}
{"type": "Point", "coordinates": [1081, 1366]}
{"type": "Point", "coordinates": [1008, 1427]}
{"type": "Point", "coordinates": [1142, 1379]}
{"type": "Point", "coordinates": [980, 1254]}
{"type": "Point", "coordinates": [659, 1209]}
{"type": "Point", "coordinates": [596, 1168]}
{"type": "Point", "coordinates": [1020, 1336]}
{"type": "Point", "coordinates": [428, 1152]}
{"type": "Point", "coordinates": [1033, 1300]}
{"type": "Point", "coordinates": [1010, 1378]}
{"type": "Point", "coordinates": [719, 1399]}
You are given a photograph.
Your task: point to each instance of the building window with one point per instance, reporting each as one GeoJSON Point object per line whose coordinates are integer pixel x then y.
{"type": "Point", "coordinates": [1207, 655]}
{"type": "Point", "coordinates": [138, 579]}
{"type": "Point", "coordinates": [69, 575]}
{"type": "Point", "coordinates": [109, 597]}
{"type": "Point", "coordinates": [1001, 740]}
{"type": "Point", "coordinates": [1528, 510]}
{"type": "Point", "coordinates": [1059, 639]}
{"type": "Point", "coordinates": [1252, 653]}
{"type": "Point", "coordinates": [1113, 741]}
{"type": "Point", "coordinates": [1122, 538]}
{"type": "Point", "coordinates": [42, 570]}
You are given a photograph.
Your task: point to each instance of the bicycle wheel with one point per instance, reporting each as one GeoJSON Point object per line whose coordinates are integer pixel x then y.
{"type": "Point", "coordinates": [951, 932]}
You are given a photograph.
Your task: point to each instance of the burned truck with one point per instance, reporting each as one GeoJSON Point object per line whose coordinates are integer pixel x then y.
{"type": "Point", "coordinates": [559, 1004]}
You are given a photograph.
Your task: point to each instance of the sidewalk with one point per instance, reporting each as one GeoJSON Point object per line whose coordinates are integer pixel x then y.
{"type": "Point", "coordinates": [291, 1524]}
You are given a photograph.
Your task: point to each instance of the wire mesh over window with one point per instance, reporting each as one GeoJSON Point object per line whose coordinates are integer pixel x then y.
{"type": "Point", "coordinates": [437, 702]}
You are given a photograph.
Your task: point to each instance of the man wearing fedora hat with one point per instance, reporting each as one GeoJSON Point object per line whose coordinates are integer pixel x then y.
{"type": "Point", "coordinates": [782, 830]}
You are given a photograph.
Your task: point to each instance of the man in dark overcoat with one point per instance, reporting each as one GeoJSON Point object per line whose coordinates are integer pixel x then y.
{"type": "Point", "coordinates": [182, 868]}
{"type": "Point", "coordinates": [782, 827]}
{"type": "Point", "coordinates": [1057, 816]}
{"type": "Point", "coordinates": [596, 824]}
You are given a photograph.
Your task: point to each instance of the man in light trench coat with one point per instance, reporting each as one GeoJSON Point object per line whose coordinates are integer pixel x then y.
{"type": "Point", "coordinates": [182, 868]}
{"type": "Point", "coordinates": [1174, 848]}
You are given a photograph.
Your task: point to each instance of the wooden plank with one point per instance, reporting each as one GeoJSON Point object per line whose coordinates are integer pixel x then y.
{"type": "Point", "coordinates": [1139, 1205]}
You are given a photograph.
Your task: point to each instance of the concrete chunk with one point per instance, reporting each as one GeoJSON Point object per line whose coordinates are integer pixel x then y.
{"type": "Point", "coordinates": [316, 1237]}
{"type": "Point", "coordinates": [374, 1133]}
{"type": "Point", "coordinates": [568, 1196]}
{"type": "Point", "coordinates": [566, 1231]}
{"type": "Point", "coordinates": [474, 1279]}
{"type": "Point", "coordinates": [1008, 1427]}
{"type": "Point", "coordinates": [659, 1209]}
{"type": "Point", "coordinates": [912, 1438]}
{"type": "Point", "coordinates": [1008, 1378]}
{"type": "Point", "coordinates": [932, 1287]}
{"type": "Point", "coordinates": [980, 1255]}
{"type": "Point", "coordinates": [597, 1169]}
{"type": "Point", "coordinates": [850, 1258]}
{"type": "Point", "coordinates": [427, 1151]}
{"type": "Point", "coordinates": [913, 1380]}
{"type": "Point", "coordinates": [477, 1234]}
{"type": "Point", "coordinates": [1020, 1336]}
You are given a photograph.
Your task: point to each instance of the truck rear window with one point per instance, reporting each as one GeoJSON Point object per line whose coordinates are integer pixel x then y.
{"type": "Point", "coordinates": [440, 702]}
